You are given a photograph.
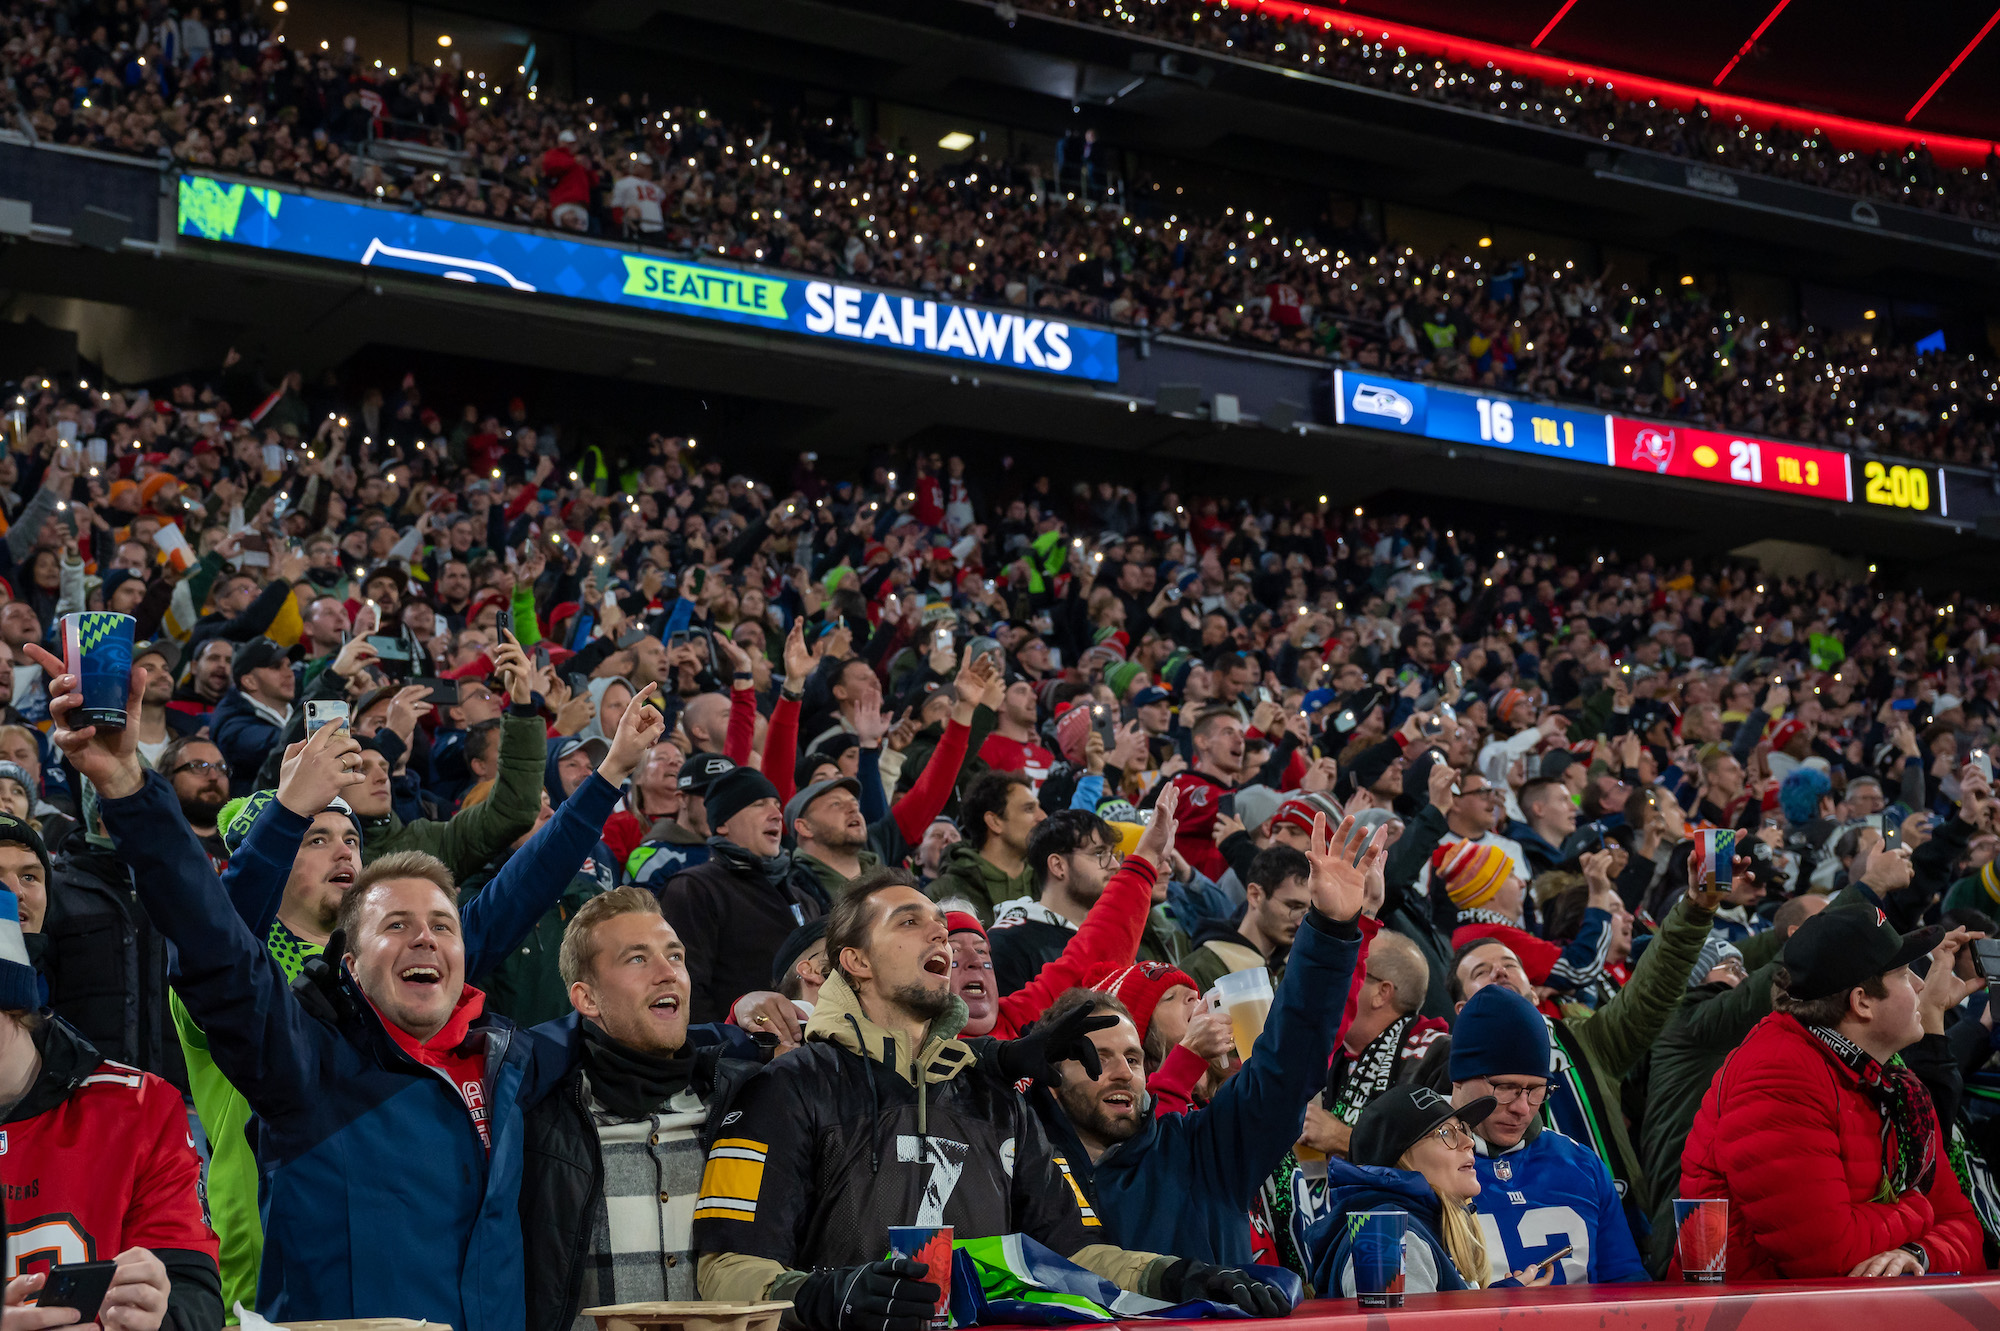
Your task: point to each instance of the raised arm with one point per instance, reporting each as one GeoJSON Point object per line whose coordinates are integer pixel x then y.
{"type": "Point", "coordinates": [534, 878]}
{"type": "Point", "coordinates": [1256, 1116]}
{"type": "Point", "coordinates": [261, 1039]}
{"type": "Point", "coordinates": [1111, 929]}
{"type": "Point", "coordinates": [781, 736]}
{"type": "Point", "coordinates": [927, 797]}
{"type": "Point", "coordinates": [476, 835]}
{"type": "Point", "coordinates": [315, 771]}
{"type": "Point", "coordinates": [1626, 1026]}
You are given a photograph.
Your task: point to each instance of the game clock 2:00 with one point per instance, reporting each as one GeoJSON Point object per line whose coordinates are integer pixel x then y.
{"type": "Point", "coordinates": [1893, 485]}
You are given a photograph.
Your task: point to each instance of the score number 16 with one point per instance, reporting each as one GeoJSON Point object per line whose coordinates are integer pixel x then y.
{"type": "Point", "coordinates": [1496, 425]}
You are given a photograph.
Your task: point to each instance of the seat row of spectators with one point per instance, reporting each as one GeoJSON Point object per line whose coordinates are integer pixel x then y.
{"type": "Point", "coordinates": [708, 828]}
{"type": "Point", "coordinates": [808, 193]}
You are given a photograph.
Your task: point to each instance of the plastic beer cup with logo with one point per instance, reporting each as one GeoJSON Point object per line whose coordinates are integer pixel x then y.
{"type": "Point", "coordinates": [1701, 1238]}
{"type": "Point", "coordinates": [1376, 1243]}
{"type": "Point", "coordinates": [97, 649]}
{"type": "Point", "coordinates": [931, 1245]}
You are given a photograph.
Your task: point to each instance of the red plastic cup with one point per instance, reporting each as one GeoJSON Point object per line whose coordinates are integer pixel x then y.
{"type": "Point", "coordinates": [1701, 1237]}
{"type": "Point", "coordinates": [930, 1244]}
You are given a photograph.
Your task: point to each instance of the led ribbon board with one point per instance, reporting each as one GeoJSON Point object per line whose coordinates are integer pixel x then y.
{"type": "Point", "coordinates": [378, 236]}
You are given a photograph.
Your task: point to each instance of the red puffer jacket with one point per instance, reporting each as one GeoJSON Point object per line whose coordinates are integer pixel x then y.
{"type": "Point", "coordinates": [1787, 1135]}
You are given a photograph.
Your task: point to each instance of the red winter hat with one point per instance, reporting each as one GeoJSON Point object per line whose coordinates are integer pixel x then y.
{"type": "Point", "coordinates": [1786, 732]}
{"type": "Point", "coordinates": [963, 922]}
{"type": "Point", "coordinates": [479, 667]}
{"type": "Point", "coordinates": [1140, 986]}
{"type": "Point", "coordinates": [1073, 731]}
{"type": "Point", "coordinates": [1299, 813]}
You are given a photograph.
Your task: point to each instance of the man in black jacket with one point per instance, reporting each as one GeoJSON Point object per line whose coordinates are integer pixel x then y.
{"type": "Point", "coordinates": [614, 1154]}
{"type": "Point", "coordinates": [735, 910]}
{"type": "Point", "coordinates": [105, 964]}
{"type": "Point", "coordinates": [884, 1118]}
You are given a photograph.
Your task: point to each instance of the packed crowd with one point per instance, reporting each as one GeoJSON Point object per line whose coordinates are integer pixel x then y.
{"type": "Point", "coordinates": [812, 194]}
{"type": "Point", "coordinates": [571, 841]}
{"type": "Point", "coordinates": [1912, 177]}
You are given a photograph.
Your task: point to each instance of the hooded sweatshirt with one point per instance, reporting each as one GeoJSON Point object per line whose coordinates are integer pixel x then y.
{"type": "Point", "coordinates": [598, 688]}
{"type": "Point", "coordinates": [1357, 1190]}
{"type": "Point", "coordinates": [971, 877]}
{"type": "Point", "coordinates": [899, 1135]}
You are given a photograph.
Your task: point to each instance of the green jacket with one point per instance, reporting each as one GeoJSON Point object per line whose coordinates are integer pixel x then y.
{"type": "Point", "coordinates": [1612, 1040]}
{"type": "Point", "coordinates": [1968, 893]}
{"type": "Point", "coordinates": [830, 878]}
{"type": "Point", "coordinates": [969, 876]}
{"type": "Point", "coordinates": [1216, 957]}
{"type": "Point", "coordinates": [1163, 939]}
{"type": "Point", "coordinates": [468, 840]}
{"type": "Point", "coordinates": [1704, 1030]}
{"type": "Point", "coordinates": [1760, 949]}
{"type": "Point", "coordinates": [527, 988]}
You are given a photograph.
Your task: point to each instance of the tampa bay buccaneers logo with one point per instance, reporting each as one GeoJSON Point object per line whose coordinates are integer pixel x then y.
{"type": "Point", "coordinates": [1653, 448]}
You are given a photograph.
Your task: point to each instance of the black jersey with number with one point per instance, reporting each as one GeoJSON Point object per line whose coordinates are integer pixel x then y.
{"type": "Point", "coordinates": [827, 1147]}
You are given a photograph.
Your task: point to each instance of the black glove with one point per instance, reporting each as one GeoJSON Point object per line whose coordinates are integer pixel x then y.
{"type": "Point", "coordinates": [1047, 1043]}
{"type": "Point", "coordinates": [880, 1296]}
{"type": "Point", "coordinates": [318, 984]}
{"type": "Point", "coordinates": [1184, 1282]}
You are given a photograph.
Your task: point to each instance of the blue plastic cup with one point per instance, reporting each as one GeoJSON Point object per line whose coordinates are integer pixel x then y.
{"type": "Point", "coordinates": [97, 648]}
{"type": "Point", "coordinates": [1377, 1246]}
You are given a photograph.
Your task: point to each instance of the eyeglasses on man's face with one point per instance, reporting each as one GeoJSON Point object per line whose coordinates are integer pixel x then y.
{"type": "Point", "coordinates": [198, 766]}
{"type": "Point", "coordinates": [1507, 1093]}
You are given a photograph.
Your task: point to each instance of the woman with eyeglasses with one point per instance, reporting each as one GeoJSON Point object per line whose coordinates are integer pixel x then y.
{"type": "Point", "coordinates": [1411, 1152]}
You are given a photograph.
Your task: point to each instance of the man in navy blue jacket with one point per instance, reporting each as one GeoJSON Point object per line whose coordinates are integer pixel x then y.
{"type": "Point", "coordinates": [389, 1107]}
{"type": "Point", "coordinates": [1185, 1183]}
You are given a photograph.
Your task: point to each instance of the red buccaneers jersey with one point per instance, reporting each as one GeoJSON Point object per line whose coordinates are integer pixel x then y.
{"type": "Point", "coordinates": [1194, 821]}
{"type": "Point", "coordinates": [111, 1167]}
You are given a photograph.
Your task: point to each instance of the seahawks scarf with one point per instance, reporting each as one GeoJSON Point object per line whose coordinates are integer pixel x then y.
{"type": "Point", "coordinates": [1975, 1179]}
{"type": "Point", "coordinates": [1014, 1281]}
{"type": "Point", "coordinates": [1909, 1120]}
{"type": "Point", "coordinates": [1352, 1082]}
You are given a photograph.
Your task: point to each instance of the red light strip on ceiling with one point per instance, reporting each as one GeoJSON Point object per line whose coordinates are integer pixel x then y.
{"type": "Point", "coordinates": [1550, 26]}
{"type": "Point", "coordinates": [1952, 68]}
{"type": "Point", "coordinates": [1956, 149]}
{"type": "Point", "coordinates": [1744, 49]}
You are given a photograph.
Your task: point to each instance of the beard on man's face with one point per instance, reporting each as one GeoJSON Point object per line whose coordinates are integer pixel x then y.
{"type": "Point", "coordinates": [920, 1000]}
{"type": "Point", "coordinates": [1082, 1105]}
{"type": "Point", "coordinates": [201, 809]}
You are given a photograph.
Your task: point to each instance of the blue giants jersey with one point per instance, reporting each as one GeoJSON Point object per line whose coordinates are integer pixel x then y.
{"type": "Point", "coordinates": [1548, 1194]}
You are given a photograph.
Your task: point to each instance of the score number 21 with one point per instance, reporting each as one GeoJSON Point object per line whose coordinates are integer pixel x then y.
{"type": "Point", "coordinates": [1746, 464]}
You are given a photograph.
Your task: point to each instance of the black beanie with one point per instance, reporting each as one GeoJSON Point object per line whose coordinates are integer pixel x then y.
{"type": "Point", "coordinates": [733, 792]}
{"type": "Point", "coordinates": [15, 832]}
{"type": "Point", "coordinates": [795, 945]}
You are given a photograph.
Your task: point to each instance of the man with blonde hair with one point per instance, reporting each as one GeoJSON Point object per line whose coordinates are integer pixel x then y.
{"type": "Point", "coordinates": [614, 1152]}
{"type": "Point", "coordinates": [383, 1078]}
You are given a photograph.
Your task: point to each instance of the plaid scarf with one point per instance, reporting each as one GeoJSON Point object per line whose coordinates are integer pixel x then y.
{"type": "Point", "coordinates": [1909, 1119]}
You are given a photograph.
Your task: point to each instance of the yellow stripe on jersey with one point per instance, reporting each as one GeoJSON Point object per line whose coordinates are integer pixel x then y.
{"type": "Point", "coordinates": [731, 1181]}
{"type": "Point", "coordinates": [1090, 1219]}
